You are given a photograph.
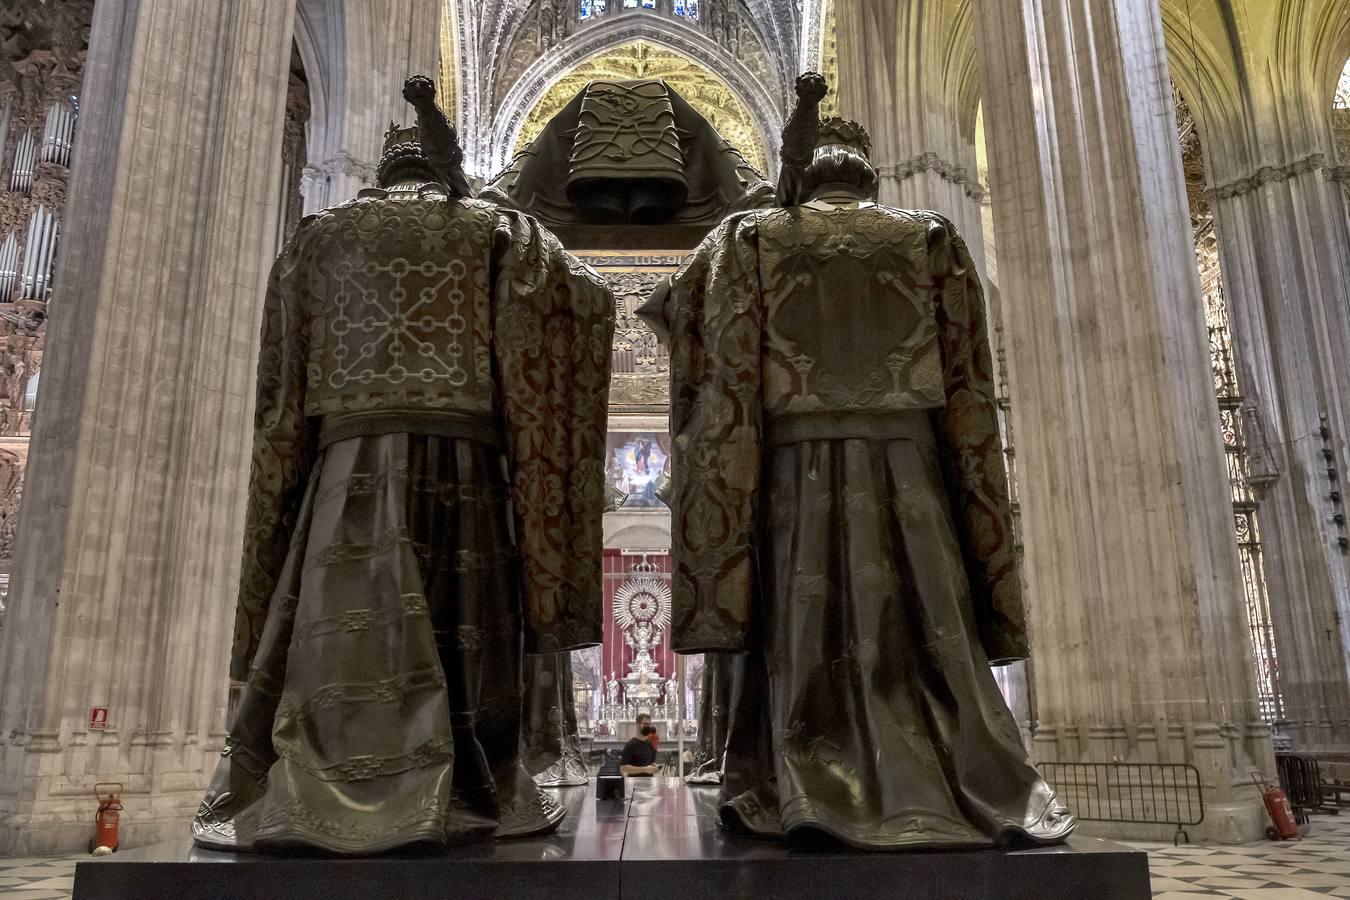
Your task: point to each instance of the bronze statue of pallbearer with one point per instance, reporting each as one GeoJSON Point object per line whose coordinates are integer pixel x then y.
{"type": "Point", "coordinates": [425, 504]}
{"type": "Point", "coordinates": [841, 517]}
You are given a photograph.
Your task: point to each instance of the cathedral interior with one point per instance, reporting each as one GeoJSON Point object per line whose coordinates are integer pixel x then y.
{"type": "Point", "coordinates": [1155, 198]}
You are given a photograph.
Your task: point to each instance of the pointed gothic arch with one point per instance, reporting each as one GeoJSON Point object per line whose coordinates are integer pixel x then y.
{"type": "Point", "coordinates": [761, 106]}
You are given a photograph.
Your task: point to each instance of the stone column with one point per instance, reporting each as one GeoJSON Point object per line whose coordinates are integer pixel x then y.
{"type": "Point", "coordinates": [370, 49]}
{"type": "Point", "coordinates": [1285, 257]}
{"type": "Point", "coordinates": [907, 72]}
{"type": "Point", "coordinates": [128, 550]}
{"type": "Point", "coordinates": [1138, 625]}
{"type": "Point", "coordinates": [1284, 253]}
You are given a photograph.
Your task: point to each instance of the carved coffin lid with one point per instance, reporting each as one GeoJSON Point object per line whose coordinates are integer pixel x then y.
{"type": "Point", "coordinates": [621, 132]}
{"type": "Point", "coordinates": [627, 165]}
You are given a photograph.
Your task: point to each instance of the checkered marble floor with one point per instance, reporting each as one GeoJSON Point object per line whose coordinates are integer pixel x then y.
{"type": "Point", "coordinates": [38, 879]}
{"type": "Point", "coordinates": [1314, 868]}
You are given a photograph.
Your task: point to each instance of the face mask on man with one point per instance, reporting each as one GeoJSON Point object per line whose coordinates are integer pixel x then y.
{"type": "Point", "coordinates": [647, 729]}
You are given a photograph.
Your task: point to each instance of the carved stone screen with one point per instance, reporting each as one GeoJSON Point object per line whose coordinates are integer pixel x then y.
{"type": "Point", "coordinates": [641, 367]}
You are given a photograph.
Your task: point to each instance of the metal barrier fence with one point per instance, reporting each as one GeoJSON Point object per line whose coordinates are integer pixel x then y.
{"type": "Point", "coordinates": [1313, 784]}
{"type": "Point", "coordinates": [1301, 779]}
{"type": "Point", "coordinates": [1130, 793]}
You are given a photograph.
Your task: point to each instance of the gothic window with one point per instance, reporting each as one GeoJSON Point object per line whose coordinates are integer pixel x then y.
{"type": "Point", "coordinates": [685, 9]}
{"type": "Point", "coordinates": [1341, 117]}
{"type": "Point", "coordinates": [59, 133]}
{"type": "Point", "coordinates": [9, 268]}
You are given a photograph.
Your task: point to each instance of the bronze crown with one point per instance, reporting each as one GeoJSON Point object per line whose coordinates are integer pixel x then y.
{"type": "Point", "coordinates": [836, 131]}
{"type": "Point", "coordinates": [397, 134]}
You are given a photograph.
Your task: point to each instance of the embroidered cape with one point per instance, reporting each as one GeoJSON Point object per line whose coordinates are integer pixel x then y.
{"type": "Point", "coordinates": [505, 334]}
{"type": "Point", "coordinates": [755, 350]}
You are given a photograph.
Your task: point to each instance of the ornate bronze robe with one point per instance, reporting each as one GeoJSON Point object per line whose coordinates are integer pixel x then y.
{"type": "Point", "coordinates": [840, 511]}
{"type": "Point", "coordinates": [720, 675]}
{"type": "Point", "coordinates": [425, 502]}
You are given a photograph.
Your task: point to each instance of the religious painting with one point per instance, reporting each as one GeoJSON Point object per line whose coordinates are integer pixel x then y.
{"type": "Point", "coordinates": [637, 463]}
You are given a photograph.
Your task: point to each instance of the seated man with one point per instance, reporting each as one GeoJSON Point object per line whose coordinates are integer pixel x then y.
{"type": "Point", "coordinates": [639, 756]}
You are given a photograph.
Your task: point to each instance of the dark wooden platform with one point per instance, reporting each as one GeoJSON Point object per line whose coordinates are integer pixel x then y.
{"type": "Point", "coordinates": [662, 843]}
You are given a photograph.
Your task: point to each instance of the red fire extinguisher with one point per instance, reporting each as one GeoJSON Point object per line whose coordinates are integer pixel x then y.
{"type": "Point", "coordinates": [1284, 828]}
{"type": "Point", "coordinates": [109, 796]}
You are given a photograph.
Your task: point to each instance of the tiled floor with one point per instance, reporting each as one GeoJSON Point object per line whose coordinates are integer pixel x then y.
{"type": "Point", "coordinates": [38, 879]}
{"type": "Point", "coordinates": [1314, 868]}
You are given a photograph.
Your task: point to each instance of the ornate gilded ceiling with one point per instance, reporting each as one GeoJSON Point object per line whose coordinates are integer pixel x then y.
{"type": "Point", "coordinates": [704, 91]}
{"type": "Point", "coordinates": [508, 53]}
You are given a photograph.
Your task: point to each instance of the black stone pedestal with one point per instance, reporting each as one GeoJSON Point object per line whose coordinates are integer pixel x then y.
{"type": "Point", "coordinates": [662, 843]}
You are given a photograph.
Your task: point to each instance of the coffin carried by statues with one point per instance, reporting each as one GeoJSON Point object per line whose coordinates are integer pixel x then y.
{"type": "Point", "coordinates": [841, 539]}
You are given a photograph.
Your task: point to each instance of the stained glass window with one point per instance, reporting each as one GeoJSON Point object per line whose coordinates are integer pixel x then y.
{"type": "Point", "coordinates": [593, 8]}
{"type": "Point", "coordinates": [687, 8]}
{"type": "Point", "coordinates": [1343, 89]}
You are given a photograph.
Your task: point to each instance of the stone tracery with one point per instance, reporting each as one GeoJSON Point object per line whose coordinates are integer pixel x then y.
{"type": "Point", "coordinates": [512, 50]}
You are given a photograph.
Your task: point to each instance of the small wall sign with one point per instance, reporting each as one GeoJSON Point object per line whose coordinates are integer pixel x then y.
{"type": "Point", "coordinates": [98, 718]}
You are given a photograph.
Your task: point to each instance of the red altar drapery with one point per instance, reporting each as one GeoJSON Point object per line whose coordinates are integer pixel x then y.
{"type": "Point", "coordinates": [617, 654]}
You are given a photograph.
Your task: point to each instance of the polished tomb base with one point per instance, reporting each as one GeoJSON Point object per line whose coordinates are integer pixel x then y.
{"type": "Point", "coordinates": [662, 841]}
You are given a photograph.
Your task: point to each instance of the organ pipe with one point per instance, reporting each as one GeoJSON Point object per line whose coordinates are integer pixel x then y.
{"type": "Point", "coordinates": [37, 263]}
{"type": "Point", "coordinates": [9, 268]}
{"type": "Point", "coordinates": [25, 158]}
{"type": "Point", "coordinates": [59, 134]}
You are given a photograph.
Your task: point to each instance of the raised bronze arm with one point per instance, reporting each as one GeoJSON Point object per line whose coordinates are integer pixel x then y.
{"type": "Point", "coordinates": [800, 136]}
{"type": "Point", "coordinates": [438, 137]}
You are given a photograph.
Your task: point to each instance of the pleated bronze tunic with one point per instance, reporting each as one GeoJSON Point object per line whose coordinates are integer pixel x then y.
{"type": "Point", "coordinates": [550, 739]}
{"type": "Point", "coordinates": [721, 673]}
{"type": "Point", "coordinates": [841, 517]}
{"type": "Point", "coordinates": [424, 507]}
